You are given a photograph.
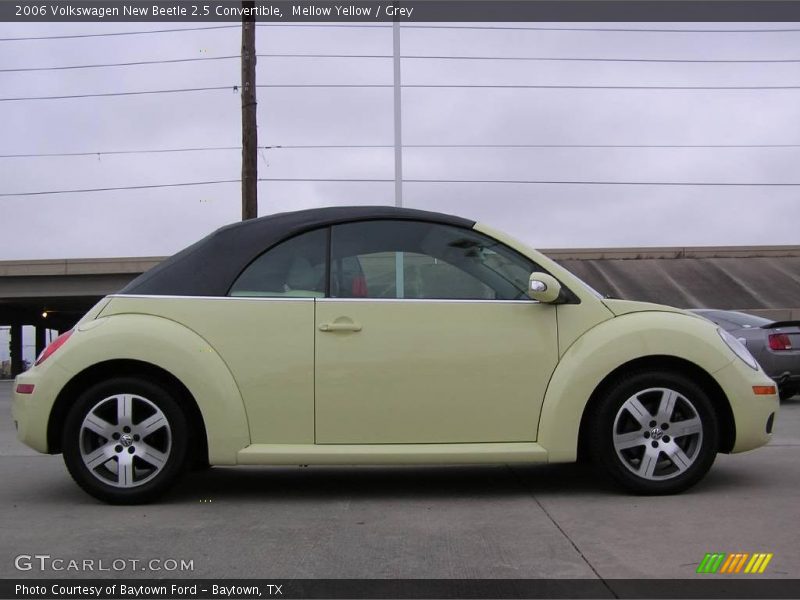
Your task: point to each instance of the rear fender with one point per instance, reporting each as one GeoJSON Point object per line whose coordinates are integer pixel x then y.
{"type": "Point", "coordinates": [181, 352]}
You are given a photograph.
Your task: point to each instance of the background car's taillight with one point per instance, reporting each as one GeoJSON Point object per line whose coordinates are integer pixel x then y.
{"type": "Point", "coordinates": [779, 341]}
{"type": "Point", "coordinates": [54, 345]}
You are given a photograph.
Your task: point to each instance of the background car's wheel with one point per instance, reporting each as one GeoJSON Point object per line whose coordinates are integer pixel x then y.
{"type": "Point", "coordinates": [125, 441]}
{"type": "Point", "coordinates": [654, 433]}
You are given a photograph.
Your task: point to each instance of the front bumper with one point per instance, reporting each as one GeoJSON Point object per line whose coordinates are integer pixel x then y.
{"type": "Point", "coordinates": [753, 415]}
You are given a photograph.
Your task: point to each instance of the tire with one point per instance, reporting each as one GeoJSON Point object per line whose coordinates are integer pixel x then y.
{"type": "Point", "coordinates": [628, 440]}
{"type": "Point", "coordinates": [130, 422]}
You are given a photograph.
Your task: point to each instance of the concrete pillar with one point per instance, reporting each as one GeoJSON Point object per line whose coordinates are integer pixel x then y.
{"type": "Point", "coordinates": [41, 339]}
{"type": "Point", "coordinates": [15, 349]}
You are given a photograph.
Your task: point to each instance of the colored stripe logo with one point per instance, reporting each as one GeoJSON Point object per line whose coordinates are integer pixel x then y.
{"type": "Point", "coordinates": [738, 562]}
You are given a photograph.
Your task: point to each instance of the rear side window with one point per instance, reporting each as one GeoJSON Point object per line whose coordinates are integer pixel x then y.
{"type": "Point", "coordinates": [294, 268]}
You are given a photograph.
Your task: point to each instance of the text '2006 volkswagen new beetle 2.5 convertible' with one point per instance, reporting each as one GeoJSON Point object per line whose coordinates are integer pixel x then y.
{"type": "Point", "coordinates": [377, 335]}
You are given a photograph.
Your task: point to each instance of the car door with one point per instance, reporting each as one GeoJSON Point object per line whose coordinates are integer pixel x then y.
{"type": "Point", "coordinates": [428, 336]}
{"type": "Point", "coordinates": [266, 337]}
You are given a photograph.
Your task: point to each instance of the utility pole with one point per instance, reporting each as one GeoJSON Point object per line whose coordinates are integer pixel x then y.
{"type": "Point", "coordinates": [249, 113]}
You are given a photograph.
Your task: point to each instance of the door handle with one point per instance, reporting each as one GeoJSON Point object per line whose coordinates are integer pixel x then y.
{"type": "Point", "coordinates": [340, 326]}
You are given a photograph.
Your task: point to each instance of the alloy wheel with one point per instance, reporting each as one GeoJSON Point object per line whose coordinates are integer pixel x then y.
{"type": "Point", "coordinates": [658, 433]}
{"type": "Point", "coordinates": [125, 440]}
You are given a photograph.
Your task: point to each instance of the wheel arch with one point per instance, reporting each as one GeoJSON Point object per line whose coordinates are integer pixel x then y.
{"type": "Point", "coordinates": [645, 339]}
{"type": "Point", "coordinates": [673, 364]}
{"type": "Point", "coordinates": [126, 368]}
{"type": "Point", "coordinates": [120, 344]}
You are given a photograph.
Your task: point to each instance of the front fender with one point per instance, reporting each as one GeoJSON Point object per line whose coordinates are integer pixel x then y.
{"type": "Point", "coordinates": [608, 346]}
{"type": "Point", "coordinates": [178, 350]}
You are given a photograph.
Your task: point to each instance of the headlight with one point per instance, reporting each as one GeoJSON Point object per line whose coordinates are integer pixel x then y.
{"type": "Point", "coordinates": [738, 349]}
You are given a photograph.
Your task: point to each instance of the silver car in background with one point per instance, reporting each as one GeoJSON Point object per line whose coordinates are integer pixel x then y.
{"type": "Point", "coordinates": [774, 344]}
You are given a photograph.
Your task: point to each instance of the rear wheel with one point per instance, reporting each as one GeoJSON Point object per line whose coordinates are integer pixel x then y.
{"type": "Point", "coordinates": [125, 441]}
{"type": "Point", "coordinates": [655, 433]}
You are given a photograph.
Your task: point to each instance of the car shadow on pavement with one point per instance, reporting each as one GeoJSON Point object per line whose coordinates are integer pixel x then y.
{"type": "Point", "coordinates": [438, 482]}
{"type": "Point", "coordinates": [377, 482]}
{"type": "Point", "coordinates": [278, 484]}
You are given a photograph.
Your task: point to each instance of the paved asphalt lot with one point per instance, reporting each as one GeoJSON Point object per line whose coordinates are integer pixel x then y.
{"type": "Point", "coordinates": [439, 522]}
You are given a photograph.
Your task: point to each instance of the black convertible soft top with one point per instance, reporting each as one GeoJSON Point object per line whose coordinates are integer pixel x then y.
{"type": "Point", "coordinates": [210, 266]}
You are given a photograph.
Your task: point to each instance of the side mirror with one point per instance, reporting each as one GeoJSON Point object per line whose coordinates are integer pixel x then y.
{"type": "Point", "coordinates": [543, 287]}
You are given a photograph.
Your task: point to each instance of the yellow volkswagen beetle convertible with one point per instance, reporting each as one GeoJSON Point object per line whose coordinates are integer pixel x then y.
{"type": "Point", "coordinates": [377, 335]}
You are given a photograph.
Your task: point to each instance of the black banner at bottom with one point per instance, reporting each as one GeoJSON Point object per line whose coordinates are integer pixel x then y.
{"type": "Point", "coordinates": [202, 589]}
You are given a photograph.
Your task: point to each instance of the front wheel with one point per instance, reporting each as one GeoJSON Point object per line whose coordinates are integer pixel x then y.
{"type": "Point", "coordinates": [125, 441]}
{"type": "Point", "coordinates": [655, 433]}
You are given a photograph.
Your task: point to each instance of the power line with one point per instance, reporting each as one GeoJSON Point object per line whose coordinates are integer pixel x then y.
{"type": "Point", "coordinates": [529, 87]}
{"type": "Point", "coordinates": [410, 86]}
{"type": "Point", "coordinates": [543, 182]}
{"type": "Point", "coordinates": [525, 146]}
{"type": "Point", "coordinates": [330, 180]}
{"type": "Point", "coordinates": [109, 94]}
{"type": "Point", "coordinates": [627, 183]}
{"type": "Point", "coordinates": [532, 58]}
{"type": "Point", "coordinates": [596, 146]}
{"type": "Point", "coordinates": [367, 180]}
{"type": "Point", "coordinates": [109, 189]}
{"type": "Point", "coordinates": [122, 64]}
{"type": "Point", "coordinates": [325, 85]}
{"type": "Point", "coordinates": [175, 30]}
{"type": "Point", "coordinates": [99, 153]}
{"type": "Point", "coordinates": [185, 60]}
{"type": "Point", "coordinates": [358, 26]}
{"type": "Point", "coordinates": [113, 152]}
{"type": "Point", "coordinates": [588, 59]}
{"type": "Point", "coordinates": [412, 57]}
{"type": "Point", "coordinates": [607, 87]}
{"type": "Point", "coordinates": [115, 33]}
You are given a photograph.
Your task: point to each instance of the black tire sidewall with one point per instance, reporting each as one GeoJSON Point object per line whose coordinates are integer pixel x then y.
{"type": "Point", "coordinates": [175, 464]}
{"type": "Point", "coordinates": [602, 444]}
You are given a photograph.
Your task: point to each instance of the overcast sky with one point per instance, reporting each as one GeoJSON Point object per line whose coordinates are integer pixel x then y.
{"type": "Point", "coordinates": [161, 221]}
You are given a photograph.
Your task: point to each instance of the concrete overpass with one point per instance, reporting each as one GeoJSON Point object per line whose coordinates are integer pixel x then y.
{"type": "Point", "coordinates": [54, 294]}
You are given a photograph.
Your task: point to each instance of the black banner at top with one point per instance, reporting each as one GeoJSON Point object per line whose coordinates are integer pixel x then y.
{"type": "Point", "coordinates": [405, 11]}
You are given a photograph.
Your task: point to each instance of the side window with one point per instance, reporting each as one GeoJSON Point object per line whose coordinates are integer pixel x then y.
{"type": "Point", "coordinates": [407, 259]}
{"type": "Point", "coordinates": [294, 268]}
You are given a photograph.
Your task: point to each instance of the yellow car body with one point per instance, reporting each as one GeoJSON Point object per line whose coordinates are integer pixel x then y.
{"type": "Point", "coordinates": [405, 381]}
